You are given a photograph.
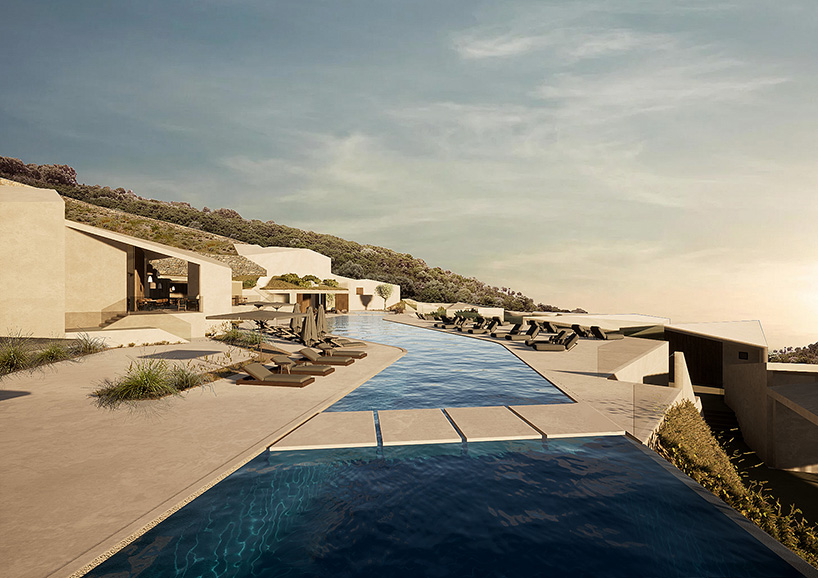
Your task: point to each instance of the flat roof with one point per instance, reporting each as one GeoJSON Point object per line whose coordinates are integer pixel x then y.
{"type": "Point", "coordinates": [747, 332]}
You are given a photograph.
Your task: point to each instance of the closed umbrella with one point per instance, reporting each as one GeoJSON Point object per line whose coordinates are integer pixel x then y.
{"type": "Point", "coordinates": [321, 322]}
{"type": "Point", "coordinates": [308, 334]}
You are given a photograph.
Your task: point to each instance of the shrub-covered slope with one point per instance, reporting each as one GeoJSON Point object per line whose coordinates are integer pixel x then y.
{"type": "Point", "coordinates": [416, 279]}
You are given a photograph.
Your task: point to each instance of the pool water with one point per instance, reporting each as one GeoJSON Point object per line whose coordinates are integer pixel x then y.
{"type": "Point", "coordinates": [579, 507]}
{"type": "Point", "coordinates": [440, 370]}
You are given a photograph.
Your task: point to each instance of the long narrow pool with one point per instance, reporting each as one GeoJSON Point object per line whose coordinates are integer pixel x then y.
{"type": "Point", "coordinates": [440, 370]}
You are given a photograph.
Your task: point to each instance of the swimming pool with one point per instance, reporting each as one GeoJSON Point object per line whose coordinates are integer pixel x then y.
{"type": "Point", "coordinates": [579, 507]}
{"type": "Point", "coordinates": [440, 370]}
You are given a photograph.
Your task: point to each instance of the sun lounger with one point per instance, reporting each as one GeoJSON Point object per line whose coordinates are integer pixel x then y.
{"type": "Point", "coordinates": [345, 351]}
{"type": "Point", "coordinates": [513, 331]}
{"type": "Point", "coordinates": [479, 323]}
{"type": "Point", "coordinates": [289, 365]}
{"type": "Point", "coordinates": [487, 329]}
{"type": "Point", "coordinates": [548, 327]}
{"type": "Point", "coordinates": [581, 330]}
{"type": "Point", "coordinates": [444, 321]}
{"type": "Point", "coordinates": [260, 375]}
{"type": "Point", "coordinates": [570, 343]}
{"type": "Point", "coordinates": [314, 357]}
{"type": "Point", "coordinates": [598, 332]}
{"type": "Point", "coordinates": [344, 342]}
{"type": "Point", "coordinates": [533, 331]}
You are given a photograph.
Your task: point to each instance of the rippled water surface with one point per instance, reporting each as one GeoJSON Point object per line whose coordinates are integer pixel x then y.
{"type": "Point", "coordinates": [582, 507]}
{"type": "Point", "coordinates": [441, 370]}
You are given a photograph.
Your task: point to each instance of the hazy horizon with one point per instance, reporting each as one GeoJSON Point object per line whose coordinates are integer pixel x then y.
{"type": "Point", "coordinates": [620, 156]}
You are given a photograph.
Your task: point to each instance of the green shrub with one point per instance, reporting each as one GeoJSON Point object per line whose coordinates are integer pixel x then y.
{"type": "Point", "coordinates": [182, 377]}
{"type": "Point", "coordinates": [52, 353]}
{"type": "Point", "coordinates": [15, 353]}
{"type": "Point", "coordinates": [685, 440]}
{"type": "Point", "coordinates": [145, 379]}
{"type": "Point", "coordinates": [239, 338]}
{"type": "Point", "coordinates": [84, 344]}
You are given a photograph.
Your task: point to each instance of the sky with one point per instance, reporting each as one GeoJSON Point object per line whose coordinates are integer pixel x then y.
{"type": "Point", "coordinates": [623, 156]}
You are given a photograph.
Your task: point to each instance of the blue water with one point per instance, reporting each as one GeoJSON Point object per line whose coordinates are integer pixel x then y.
{"type": "Point", "coordinates": [440, 370]}
{"type": "Point", "coordinates": [581, 507]}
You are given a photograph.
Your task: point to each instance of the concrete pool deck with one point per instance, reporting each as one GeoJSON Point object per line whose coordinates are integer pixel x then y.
{"type": "Point", "coordinates": [78, 480]}
{"type": "Point", "coordinates": [85, 479]}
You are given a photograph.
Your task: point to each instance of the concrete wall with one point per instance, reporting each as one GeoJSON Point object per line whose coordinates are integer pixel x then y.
{"type": "Point", "coordinates": [32, 261]}
{"type": "Point", "coordinates": [794, 439]}
{"type": "Point", "coordinates": [368, 300]}
{"type": "Point", "coordinates": [184, 325]}
{"type": "Point", "coordinates": [651, 363]}
{"type": "Point", "coordinates": [745, 392]}
{"type": "Point", "coordinates": [96, 278]}
{"type": "Point", "coordinates": [216, 290]}
{"type": "Point", "coordinates": [283, 260]}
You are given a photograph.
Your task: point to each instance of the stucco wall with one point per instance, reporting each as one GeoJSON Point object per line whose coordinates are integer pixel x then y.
{"type": "Point", "coordinates": [745, 392]}
{"type": "Point", "coordinates": [96, 277]}
{"type": "Point", "coordinates": [652, 363]}
{"type": "Point", "coordinates": [32, 261]}
{"type": "Point", "coordinates": [793, 443]}
{"type": "Point", "coordinates": [216, 288]}
{"type": "Point", "coordinates": [374, 302]}
{"type": "Point", "coordinates": [283, 260]}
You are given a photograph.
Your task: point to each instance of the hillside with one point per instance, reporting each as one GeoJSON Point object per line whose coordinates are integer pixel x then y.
{"type": "Point", "coordinates": [806, 354]}
{"type": "Point", "coordinates": [211, 232]}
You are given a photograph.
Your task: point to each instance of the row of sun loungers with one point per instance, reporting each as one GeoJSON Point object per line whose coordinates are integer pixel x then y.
{"type": "Point", "coordinates": [561, 337]}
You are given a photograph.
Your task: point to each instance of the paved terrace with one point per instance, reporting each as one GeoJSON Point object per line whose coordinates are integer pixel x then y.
{"type": "Point", "coordinates": [85, 479]}
{"type": "Point", "coordinates": [77, 480]}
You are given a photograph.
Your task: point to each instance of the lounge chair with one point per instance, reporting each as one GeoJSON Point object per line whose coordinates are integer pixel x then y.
{"type": "Point", "coordinates": [329, 349]}
{"type": "Point", "coordinates": [487, 329]}
{"type": "Point", "coordinates": [343, 341]}
{"type": "Point", "coordinates": [548, 327]}
{"type": "Point", "coordinates": [479, 322]}
{"type": "Point", "coordinates": [314, 357]}
{"type": "Point", "coordinates": [598, 332]}
{"type": "Point", "coordinates": [289, 365]}
{"type": "Point", "coordinates": [581, 330]}
{"type": "Point", "coordinates": [570, 343]}
{"type": "Point", "coordinates": [513, 331]}
{"type": "Point", "coordinates": [530, 335]}
{"type": "Point", "coordinates": [260, 375]}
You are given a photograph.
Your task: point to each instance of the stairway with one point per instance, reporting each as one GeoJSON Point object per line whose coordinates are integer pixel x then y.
{"type": "Point", "coordinates": [112, 320]}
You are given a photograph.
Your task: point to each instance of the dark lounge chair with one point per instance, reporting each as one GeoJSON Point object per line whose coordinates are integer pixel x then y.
{"type": "Point", "coordinates": [548, 327]}
{"type": "Point", "coordinates": [487, 329]}
{"type": "Point", "coordinates": [260, 375]}
{"type": "Point", "coordinates": [581, 330]}
{"type": "Point", "coordinates": [314, 357]}
{"type": "Point", "coordinates": [289, 365]}
{"type": "Point", "coordinates": [516, 328]}
{"type": "Point", "coordinates": [599, 333]}
{"type": "Point", "coordinates": [549, 346]}
{"type": "Point", "coordinates": [530, 335]}
{"type": "Point", "coordinates": [478, 323]}
{"type": "Point", "coordinates": [343, 341]}
{"type": "Point", "coordinates": [329, 349]}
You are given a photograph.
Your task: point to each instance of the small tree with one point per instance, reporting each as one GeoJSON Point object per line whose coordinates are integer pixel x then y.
{"type": "Point", "coordinates": [384, 291]}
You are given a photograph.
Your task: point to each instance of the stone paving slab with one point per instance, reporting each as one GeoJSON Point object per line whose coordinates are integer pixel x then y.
{"type": "Point", "coordinates": [485, 424]}
{"type": "Point", "coordinates": [345, 429]}
{"type": "Point", "coordinates": [568, 420]}
{"type": "Point", "coordinates": [416, 426]}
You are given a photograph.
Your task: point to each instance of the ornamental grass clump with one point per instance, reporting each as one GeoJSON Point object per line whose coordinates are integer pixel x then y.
{"type": "Point", "coordinates": [15, 353]}
{"type": "Point", "coordinates": [84, 344]}
{"type": "Point", "coordinates": [50, 354]}
{"type": "Point", "coordinates": [239, 338]}
{"type": "Point", "coordinates": [145, 379]}
{"type": "Point", "coordinates": [685, 440]}
{"type": "Point", "coordinates": [182, 377]}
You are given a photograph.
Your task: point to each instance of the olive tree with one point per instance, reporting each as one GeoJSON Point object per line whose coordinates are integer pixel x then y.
{"type": "Point", "coordinates": [384, 291]}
